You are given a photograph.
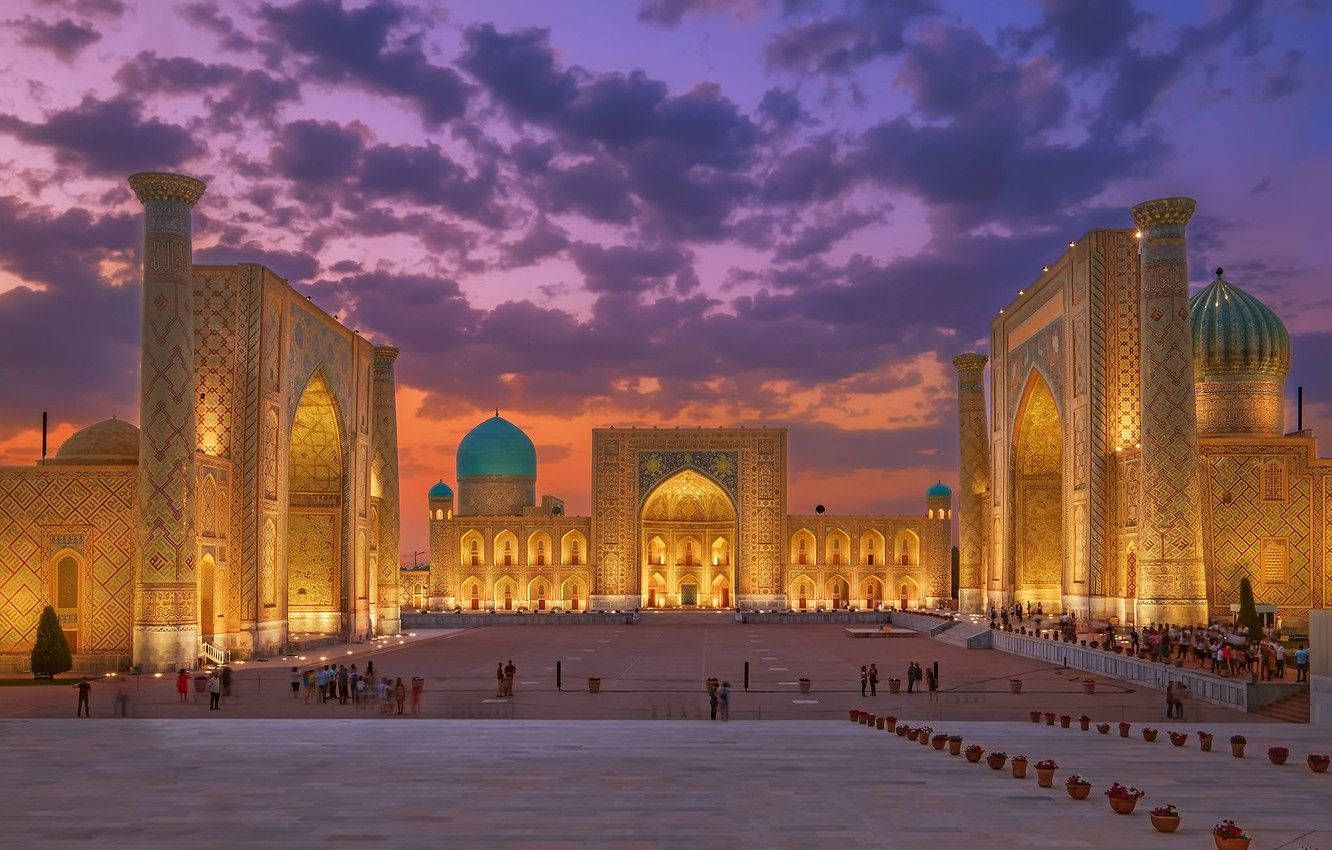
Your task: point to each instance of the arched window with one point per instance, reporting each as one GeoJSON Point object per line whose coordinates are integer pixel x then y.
{"type": "Point", "coordinates": [508, 553]}
{"type": "Point", "coordinates": [541, 554]}
{"type": "Point", "coordinates": [475, 555]}
{"type": "Point", "coordinates": [804, 555]}
{"type": "Point", "coordinates": [575, 553]}
{"type": "Point", "coordinates": [836, 551]}
{"type": "Point", "coordinates": [67, 583]}
{"type": "Point", "coordinates": [1274, 481]}
{"type": "Point", "coordinates": [476, 597]}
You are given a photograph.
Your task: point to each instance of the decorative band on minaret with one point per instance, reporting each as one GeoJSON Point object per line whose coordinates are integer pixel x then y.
{"type": "Point", "coordinates": [1172, 583]}
{"type": "Point", "coordinates": [385, 437]}
{"type": "Point", "coordinates": [166, 630]}
{"type": "Point", "coordinates": [974, 479]}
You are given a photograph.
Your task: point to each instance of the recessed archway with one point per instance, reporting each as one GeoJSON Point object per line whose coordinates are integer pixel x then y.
{"type": "Point", "coordinates": [687, 535]}
{"type": "Point", "coordinates": [1038, 463]}
{"type": "Point", "coordinates": [316, 473]}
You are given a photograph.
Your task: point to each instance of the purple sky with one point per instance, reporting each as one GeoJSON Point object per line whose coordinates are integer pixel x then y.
{"type": "Point", "coordinates": [670, 212]}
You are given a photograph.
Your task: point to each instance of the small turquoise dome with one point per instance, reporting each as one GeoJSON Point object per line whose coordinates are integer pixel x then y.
{"type": "Point", "coordinates": [496, 447]}
{"type": "Point", "coordinates": [1236, 336]}
{"type": "Point", "coordinates": [440, 491]}
{"type": "Point", "coordinates": [939, 490]}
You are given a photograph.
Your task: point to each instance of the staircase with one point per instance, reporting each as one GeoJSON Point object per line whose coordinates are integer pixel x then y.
{"type": "Point", "coordinates": [967, 635]}
{"type": "Point", "coordinates": [1289, 710]}
{"type": "Point", "coordinates": [216, 655]}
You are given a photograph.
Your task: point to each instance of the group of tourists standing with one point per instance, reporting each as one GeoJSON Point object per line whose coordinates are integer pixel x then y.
{"type": "Point", "coordinates": [338, 683]}
{"type": "Point", "coordinates": [915, 676]}
{"type": "Point", "coordinates": [719, 699]}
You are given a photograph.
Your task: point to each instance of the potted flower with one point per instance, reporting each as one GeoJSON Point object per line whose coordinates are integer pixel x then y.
{"type": "Point", "coordinates": [954, 745]}
{"type": "Point", "coordinates": [1045, 771]}
{"type": "Point", "coordinates": [938, 741]}
{"type": "Point", "coordinates": [1123, 799]}
{"type": "Point", "coordinates": [1124, 728]}
{"type": "Point", "coordinates": [923, 736]}
{"type": "Point", "coordinates": [594, 684]}
{"type": "Point", "coordinates": [1035, 716]}
{"type": "Point", "coordinates": [1085, 722]}
{"type": "Point", "coordinates": [902, 730]}
{"type": "Point", "coordinates": [1179, 739]}
{"type": "Point", "coordinates": [1317, 762]}
{"type": "Point", "coordinates": [1237, 743]}
{"type": "Point", "coordinates": [1148, 734]}
{"type": "Point", "coordinates": [1018, 764]}
{"type": "Point", "coordinates": [1089, 686]}
{"type": "Point", "coordinates": [1103, 728]}
{"type": "Point", "coordinates": [894, 686]}
{"type": "Point", "coordinates": [890, 723]}
{"type": "Point", "coordinates": [855, 714]}
{"type": "Point", "coordinates": [1165, 818]}
{"type": "Point", "coordinates": [973, 753]}
{"type": "Point", "coordinates": [1077, 787]}
{"type": "Point", "coordinates": [1064, 720]}
{"type": "Point", "coordinates": [1229, 836]}
{"type": "Point", "coordinates": [878, 722]}
{"type": "Point", "coordinates": [1015, 686]}
{"type": "Point", "coordinates": [1204, 741]}
{"type": "Point", "coordinates": [911, 733]}
{"type": "Point", "coordinates": [996, 759]}
{"type": "Point", "coordinates": [1278, 755]}
{"type": "Point", "coordinates": [1049, 718]}
{"type": "Point", "coordinates": [804, 685]}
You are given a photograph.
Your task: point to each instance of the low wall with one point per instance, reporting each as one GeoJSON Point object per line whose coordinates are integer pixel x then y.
{"type": "Point", "coordinates": [919, 622]}
{"type": "Point", "coordinates": [863, 617]}
{"type": "Point", "coordinates": [1232, 693]}
{"type": "Point", "coordinates": [466, 620]}
{"type": "Point", "coordinates": [1320, 666]}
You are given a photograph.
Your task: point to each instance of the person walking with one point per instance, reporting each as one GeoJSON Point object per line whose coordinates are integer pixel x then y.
{"type": "Point", "coordinates": [295, 678]}
{"type": "Point", "coordinates": [343, 690]}
{"type": "Point", "coordinates": [724, 696]}
{"type": "Point", "coordinates": [308, 678]}
{"type": "Point", "coordinates": [874, 680]}
{"type": "Point", "coordinates": [182, 686]}
{"type": "Point", "coordinates": [353, 679]}
{"type": "Point", "coordinates": [84, 708]}
{"type": "Point", "coordinates": [932, 683]}
{"type": "Point", "coordinates": [911, 677]}
{"type": "Point", "coordinates": [509, 672]}
{"type": "Point", "coordinates": [1281, 661]}
{"type": "Point", "coordinates": [1170, 700]}
{"type": "Point", "coordinates": [713, 700]}
{"type": "Point", "coordinates": [864, 679]}
{"type": "Point", "coordinates": [499, 679]}
{"type": "Point", "coordinates": [226, 680]}
{"type": "Point", "coordinates": [362, 693]}
{"type": "Point", "coordinates": [214, 692]}
{"type": "Point", "coordinates": [1302, 664]}
{"type": "Point", "coordinates": [400, 694]}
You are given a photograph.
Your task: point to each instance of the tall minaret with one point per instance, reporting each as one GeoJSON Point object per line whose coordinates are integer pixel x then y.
{"type": "Point", "coordinates": [973, 459]}
{"type": "Point", "coordinates": [166, 631]}
{"type": "Point", "coordinates": [1172, 585]}
{"type": "Point", "coordinates": [385, 437]}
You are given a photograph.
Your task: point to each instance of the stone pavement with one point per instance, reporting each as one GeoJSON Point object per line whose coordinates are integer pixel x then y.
{"type": "Point", "coordinates": [294, 784]}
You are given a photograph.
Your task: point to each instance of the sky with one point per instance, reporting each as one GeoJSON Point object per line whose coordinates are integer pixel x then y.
{"type": "Point", "coordinates": [652, 213]}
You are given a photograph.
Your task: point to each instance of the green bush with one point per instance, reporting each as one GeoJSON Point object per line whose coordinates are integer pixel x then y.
{"type": "Point", "coordinates": [1248, 611]}
{"type": "Point", "coordinates": [50, 651]}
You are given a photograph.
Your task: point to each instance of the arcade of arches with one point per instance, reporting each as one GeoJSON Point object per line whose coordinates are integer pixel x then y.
{"type": "Point", "coordinates": [687, 534]}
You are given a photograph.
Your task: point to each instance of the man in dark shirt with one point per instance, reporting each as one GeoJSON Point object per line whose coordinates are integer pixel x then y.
{"type": "Point", "coordinates": [85, 689]}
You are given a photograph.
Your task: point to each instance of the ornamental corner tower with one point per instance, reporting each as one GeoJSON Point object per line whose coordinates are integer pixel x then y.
{"type": "Point", "coordinates": [165, 606]}
{"type": "Point", "coordinates": [1173, 582]}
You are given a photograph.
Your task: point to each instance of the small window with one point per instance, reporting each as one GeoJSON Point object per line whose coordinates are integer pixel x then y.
{"type": "Point", "coordinates": [67, 583]}
{"type": "Point", "coordinates": [1275, 560]}
{"type": "Point", "coordinates": [1274, 481]}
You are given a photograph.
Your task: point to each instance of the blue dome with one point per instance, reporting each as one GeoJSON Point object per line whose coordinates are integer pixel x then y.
{"type": "Point", "coordinates": [1235, 336]}
{"type": "Point", "coordinates": [496, 447]}
{"type": "Point", "coordinates": [939, 491]}
{"type": "Point", "coordinates": [440, 491]}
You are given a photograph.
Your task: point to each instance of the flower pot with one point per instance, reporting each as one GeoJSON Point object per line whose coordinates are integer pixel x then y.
{"type": "Point", "coordinates": [1089, 687]}
{"type": "Point", "coordinates": [1103, 728]}
{"type": "Point", "coordinates": [1049, 718]}
{"type": "Point", "coordinates": [1316, 765]}
{"type": "Point", "coordinates": [939, 741]}
{"type": "Point", "coordinates": [974, 756]}
{"type": "Point", "coordinates": [1078, 792]}
{"type": "Point", "coordinates": [1163, 823]}
{"type": "Point", "coordinates": [1278, 758]}
{"type": "Point", "coordinates": [1015, 686]}
{"type": "Point", "coordinates": [923, 737]}
{"type": "Point", "coordinates": [1149, 735]}
{"type": "Point", "coordinates": [1179, 739]}
{"type": "Point", "coordinates": [890, 724]}
{"type": "Point", "coordinates": [996, 762]}
{"type": "Point", "coordinates": [804, 686]}
{"type": "Point", "coordinates": [1085, 723]}
{"type": "Point", "coordinates": [894, 686]}
{"type": "Point", "coordinates": [1124, 729]}
{"type": "Point", "coordinates": [878, 723]}
{"type": "Point", "coordinates": [593, 685]}
{"type": "Point", "coordinates": [1123, 806]}
{"type": "Point", "coordinates": [1204, 742]}
{"type": "Point", "coordinates": [854, 714]}
{"type": "Point", "coordinates": [1045, 778]}
{"type": "Point", "coordinates": [955, 748]}
{"type": "Point", "coordinates": [1237, 750]}
{"type": "Point", "coordinates": [1064, 720]}
{"type": "Point", "coordinates": [1231, 843]}
{"type": "Point", "coordinates": [1035, 716]}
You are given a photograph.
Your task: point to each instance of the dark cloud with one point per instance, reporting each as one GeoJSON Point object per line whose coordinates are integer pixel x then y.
{"type": "Point", "coordinates": [544, 239]}
{"type": "Point", "coordinates": [781, 110]}
{"type": "Point", "coordinates": [64, 38]}
{"type": "Point", "coordinates": [1084, 35]}
{"type": "Point", "coordinates": [597, 188]}
{"type": "Point", "coordinates": [317, 153]}
{"type": "Point", "coordinates": [206, 16]}
{"type": "Point", "coordinates": [366, 46]}
{"type": "Point", "coordinates": [425, 175]}
{"type": "Point", "coordinates": [812, 172]}
{"type": "Point", "coordinates": [824, 232]}
{"type": "Point", "coordinates": [669, 13]}
{"type": "Point", "coordinates": [630, 268]}
{"type": "Point", "coordinates": [231, 92]}
{"type": "Point", "coordinates": [838, 44]}
{"type": "Point", "coordinates": [107, 138]}
{"type": "Point", "coordinates": [1288, 77]}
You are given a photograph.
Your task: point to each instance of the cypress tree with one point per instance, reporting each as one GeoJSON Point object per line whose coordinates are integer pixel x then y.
{"type": "Point", "coordinates": [1248, 611]}
{"type": "Point", "coordinates": [50, 651]}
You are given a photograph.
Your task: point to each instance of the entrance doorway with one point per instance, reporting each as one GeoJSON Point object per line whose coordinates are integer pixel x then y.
{"type": "Point", "coordinates": [689, 595]}
{"type": "Point", "coordinates": [687, 537]}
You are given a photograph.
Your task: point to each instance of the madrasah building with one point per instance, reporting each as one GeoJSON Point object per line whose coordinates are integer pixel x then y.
{"type": "Point", "coordinates": [1134, 463]}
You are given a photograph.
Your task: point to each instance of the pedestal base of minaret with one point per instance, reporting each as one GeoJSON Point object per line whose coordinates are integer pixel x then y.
{"type": "Point", "coordinates": [164, 649]}
{"type": "Point", "coordinates": [761, 602]}
{"type": "Point", "coordinates": [388, 621]}
{"type": "Point", "coordinates": [1186, 612]}
{"type": "Point", "coordinates": [614, 602]}
{"type": "Point", "coordinates": [969, 600]}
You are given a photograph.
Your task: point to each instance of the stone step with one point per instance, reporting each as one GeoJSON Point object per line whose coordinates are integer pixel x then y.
{"type": "Point", "coordinates": [1289, 710]}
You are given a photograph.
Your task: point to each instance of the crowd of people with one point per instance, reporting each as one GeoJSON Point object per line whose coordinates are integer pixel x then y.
{"type": "Point", "coordinates": [918, 678]}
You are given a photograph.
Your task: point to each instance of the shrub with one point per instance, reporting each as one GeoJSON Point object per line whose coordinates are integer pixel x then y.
{"type": "Point", "coordinates": [1248, 612]}
{"type": "Point", "coordinates": [50, 650]}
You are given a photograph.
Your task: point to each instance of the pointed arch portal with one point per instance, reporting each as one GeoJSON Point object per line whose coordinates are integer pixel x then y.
{"type": "Point", "coordinates": [687, 534]}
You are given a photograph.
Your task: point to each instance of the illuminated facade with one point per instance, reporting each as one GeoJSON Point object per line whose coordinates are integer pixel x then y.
{"type": "Point", "coordinates": [1134, 463]}
{"type": "Point", "coordinates": [259, 502]}
{"type": "Point", "coordinates": [681, 518]}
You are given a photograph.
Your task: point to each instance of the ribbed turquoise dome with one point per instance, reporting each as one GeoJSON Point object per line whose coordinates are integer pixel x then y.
{"type": "Point", "coordinates": [440, 491]}
{"type": "Point", "coordinates": [1236, 336]}
{"type": "Point", "coordinates": [939, 490]}
{"type": "Point", "coordinates": [496, 447]}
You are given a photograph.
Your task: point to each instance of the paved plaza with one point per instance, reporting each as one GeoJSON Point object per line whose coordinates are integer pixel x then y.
{"type": "Point", "coordinates": [264, 783]}
{"type": "Point", "coordinates": [655, 672]}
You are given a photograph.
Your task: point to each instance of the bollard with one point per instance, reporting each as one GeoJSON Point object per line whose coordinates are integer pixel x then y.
{"type": "Point", "coordinates": [558, 680]}
{"type": "Point", "coordinates": [746, 675]}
